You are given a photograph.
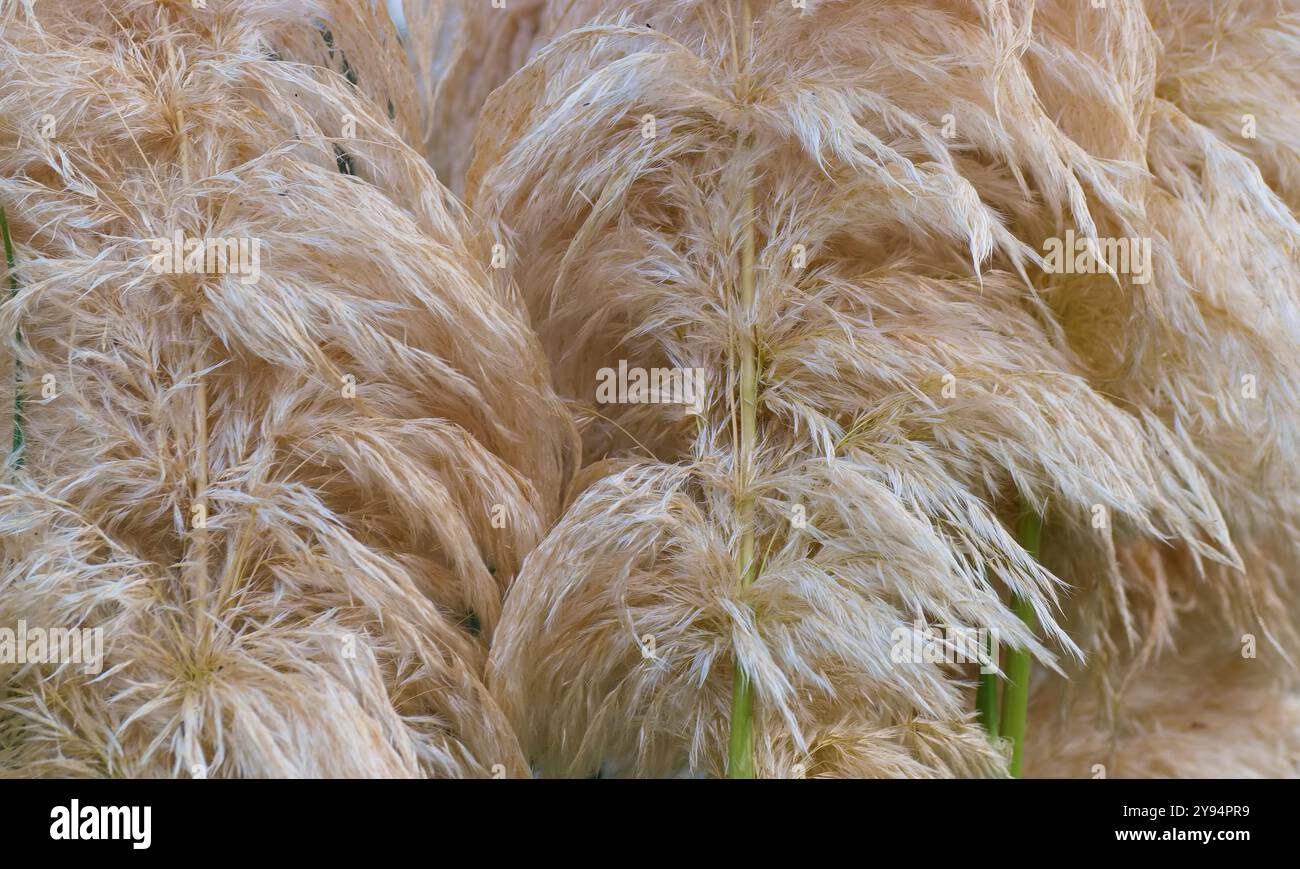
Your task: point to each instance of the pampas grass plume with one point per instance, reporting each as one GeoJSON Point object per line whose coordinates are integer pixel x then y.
{"type": "Point", "coordinates": [291, 504]}
{"type": "Point", "coordinates": [367, 512]}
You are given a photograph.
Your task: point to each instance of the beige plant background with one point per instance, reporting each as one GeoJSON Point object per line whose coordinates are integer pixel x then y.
{"type": "Point", "coordinates": [453, 569]}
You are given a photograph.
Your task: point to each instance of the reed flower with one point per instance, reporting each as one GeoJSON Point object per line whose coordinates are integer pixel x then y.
{"type": "Point", "coordinates": [291, 499]}
{"type": "Point", "coordinates": [921, 372]}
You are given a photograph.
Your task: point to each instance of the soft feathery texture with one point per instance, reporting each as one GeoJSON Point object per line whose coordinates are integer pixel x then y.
{"type": "Point", "coordinates": [1207, 712]}
{"type": "Point", "coordinates": [1095, 396]}
{"type": "Point", "coordinates": [462, 50]}
{"type": "Point", "coordinates": [1232, 66]}
{"type": "Point", "coordinates": [1213, 352]}
{"type": "Point", "coordinates": [921, 380]}
{"type": "Point", "coordinates": [380, 446]}
{"type": "Point", "coordinates": [1209, 344]}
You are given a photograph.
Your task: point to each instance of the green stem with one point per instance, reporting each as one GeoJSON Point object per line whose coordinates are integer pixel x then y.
{"type": "Point", "coordinates": [986, 698]}
{"type": "Point", "coordinates": [18, 337]}
{"type": "Point", "coordinates": [1015, 697]}
{"type": "Point", "coordinates": [740, 755]}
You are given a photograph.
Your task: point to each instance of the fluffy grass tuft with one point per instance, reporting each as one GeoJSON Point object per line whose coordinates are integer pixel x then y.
{"type": "Point", "coordinates": [378, 447]}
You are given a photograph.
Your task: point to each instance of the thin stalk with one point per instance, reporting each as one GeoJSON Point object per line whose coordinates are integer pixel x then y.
{"type": "Point", "coordinates": [197, 542]}
{"type": "Point", "coordinates": [18, 337]}
{"type": "Point", "coordinates": [986, 698]}
{"type": "Point", "coordinates": [740, 759]}
{"type": "Point", "coordinates": [1015, 696]}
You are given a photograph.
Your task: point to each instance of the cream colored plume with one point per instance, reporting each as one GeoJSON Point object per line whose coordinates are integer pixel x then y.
{"type": "Point", "coordinates": [290, 501]}
{"type": "Point", "coordinates": [1208, 344]}
{"type": "Point", "coordinates": [461, 51]}
{"type": "Point", "coordinates": [318, 492]}
{"type": "Point", "coordinates": [920, 377]}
